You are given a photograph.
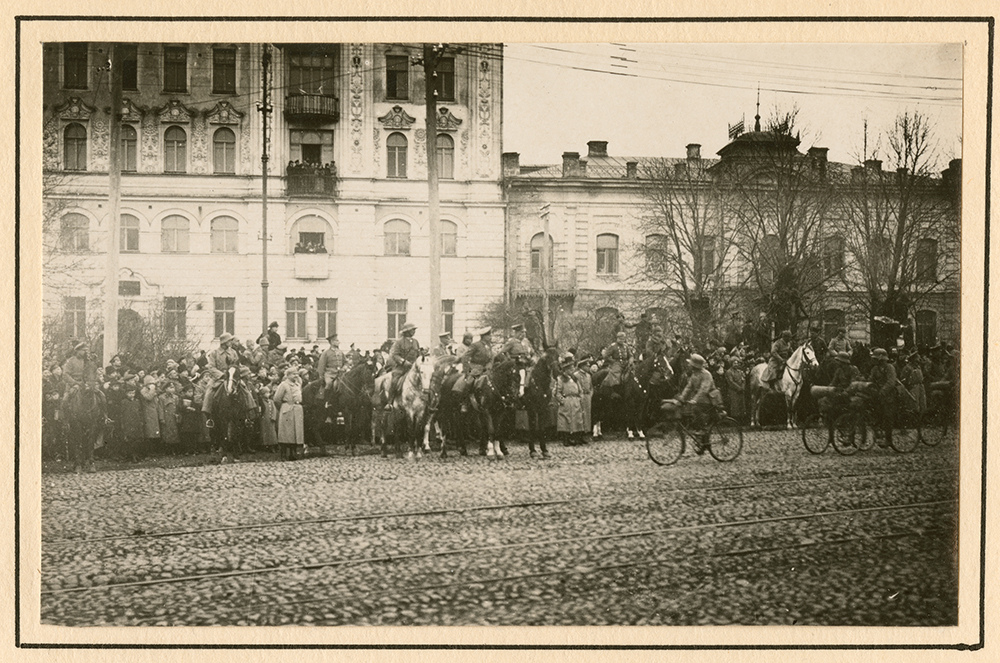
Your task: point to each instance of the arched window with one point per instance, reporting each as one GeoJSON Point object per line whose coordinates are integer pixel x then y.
{"type": "Point", "coordinates": [607, 254]}
{"type": "Point", "coordinates": [174, 232]}
{"type": "Point", "coordinates": [446, 157]}
{"type": "Point", "coordinates": [833, 319]}
{"type": "Point", "coordinates": [449, 238]}
{"type": "Point", "coordinates": [225, 235]}
{"type": "Point", "coordinates": [395, 146]}
{"type": "Point", "coordinates": [397, 238]}
{"type": "Point", "coordinates": [129, 142]}
{"type": "Point", "coordinates": [311, 234]}
{"type": "Point", "coordinates": [926, 332]}
{"type": "Point", "coordinates": [224, 152]}
{"type": "Point", "coordinates": [129, 234]}
{"type": "Point", "coordinates": [536, 253]}
{"type": "Point", "coordinates": [656, 254]}
{"type": "Point", "coordinates": [174, 150]}
{"type": "Point", "coordinates": [75, 147]}
{"type": "Point", "coordinates": [74, 233]}
{"type": "Point", "coordinates": [926, 260]}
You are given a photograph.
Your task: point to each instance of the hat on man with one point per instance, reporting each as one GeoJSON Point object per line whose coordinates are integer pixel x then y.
{"type": "Point", "coordinates": [225, 337]}
{"type": "Point", "coordinates": [444, 334]}
{"type": "Point", "coordinates": [273, 325]}
{"type": "Point", "coordinates": [620, 336]}
{"type": "Point", "coordinates": [880, 353]}
{"type": "Point", "coordinates": [585, 359]}
{"type": "Point", "coordinates": [786, 334]}
{"type": "Point", "coordinates": [408, 326]}
{"type": "Point", "coordinates": [566, 360]}
{"type": "Point", "coordinates": [517, 327]}
{"type": "Point", "coordinates": [486, 331]}
{"type": "Point", "coordinates": [697, 361]}
{"type": "Point", "coordinates": [79, 346]}
{"type": "Point", "coordinates": [332, 338]}
{"type": "Point", "coordinates": [843, 357]}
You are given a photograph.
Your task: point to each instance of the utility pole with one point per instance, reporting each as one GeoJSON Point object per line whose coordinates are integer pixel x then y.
{"type": "Point", "coordinates": [265, 110]}
{"type": "Point", "coordinates": [544, 213]}
{"type": "Point", "coordinates": [114, 213]}
{"type": "Point", "coordinates": [431, 53]}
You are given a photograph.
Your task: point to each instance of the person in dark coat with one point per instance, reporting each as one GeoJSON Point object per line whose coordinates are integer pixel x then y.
{"type": "Point", "coordinates": [132, 423]}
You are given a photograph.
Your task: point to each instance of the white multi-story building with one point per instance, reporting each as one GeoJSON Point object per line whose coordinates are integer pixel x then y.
{"type": "Point", "coordinates": [347, 187]}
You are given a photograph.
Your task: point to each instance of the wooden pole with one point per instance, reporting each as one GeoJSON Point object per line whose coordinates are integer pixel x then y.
{"type": "Point", "coordinates": [114, 211]}
{"type": "Point", "coordinates": [265, 110]}
{"type": "Point", "coordinates": [433, 193]}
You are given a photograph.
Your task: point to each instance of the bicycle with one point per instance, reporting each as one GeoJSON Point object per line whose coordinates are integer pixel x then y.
{"type": "Point", "coordinates": [820, 430]}
{"type": "Point", "coordinates": [938, 423]}
{"type": "Point", "coordinates": [858, 430]}
{"type": "Point", "coordinates": [716, 433]}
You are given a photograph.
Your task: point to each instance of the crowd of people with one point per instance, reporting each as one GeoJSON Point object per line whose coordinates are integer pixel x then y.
{"type": "Point", "coordinates": [166, 409]}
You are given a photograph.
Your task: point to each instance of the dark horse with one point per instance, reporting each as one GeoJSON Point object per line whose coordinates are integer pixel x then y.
{"type": "Point", "coordinates": [347, 404]}
{"type": "Point", "coordinates": [537, 401]}
{"type": "Point", "coordinates": [494, 394]}
{"type": "Point", "coordinates": [234, 412]}
{"type": "Point", "coordinates": [656, 377]}
{"type": "Point", "coordinates": [86, 414]}
{"type": "Point", "coordinates": [622, 404]}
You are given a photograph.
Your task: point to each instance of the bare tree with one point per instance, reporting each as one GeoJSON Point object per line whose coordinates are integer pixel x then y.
{"type": "Point", "coordinates": [896, 221]}
{"type": "Point", "coordinates": [779, 200]}
{"type": "Point", "coordinates": [688, 246]}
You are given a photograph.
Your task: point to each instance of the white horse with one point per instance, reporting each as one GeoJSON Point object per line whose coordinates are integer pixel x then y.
{"type": "Point", "coordinates": [790, 385]}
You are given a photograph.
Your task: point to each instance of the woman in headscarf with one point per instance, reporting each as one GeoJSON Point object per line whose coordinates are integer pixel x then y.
{"type": "Point", "coordinates": [288, 402]}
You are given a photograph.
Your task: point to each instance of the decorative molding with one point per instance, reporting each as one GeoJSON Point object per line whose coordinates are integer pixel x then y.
{"type": "Point", "coordinates": [464, 142]}
{"type": "Point", "coordinates": [174, 112]}
{"type": "Point", "coordinates": [199, 146]}
{"type": "Point", "coordinates": [377, 153]}
{"type": "Point", "coordinates": [150, 152]}
{"type": "Point", "coordinates": [74, 108]}
{"type": "Point", "coordinates": [420, 151]}
{"type": "Point", "coordinates": [446, 121]}
{"type": "Point", "coordinates": [357, 83]}
{"type": "Point", "coordinates": [51, 143]}
{"type": "Point", "coordinates": [131, 112]}
{"type": "Point", "coordinates": [100, 139]}
{"type": "Point", "coordinates": [397, 119]}
{"type": "Point", "coordinates": [245, 150]}
{"type": "Point", "coordinates": [224, 113]}
{"type": "Point", "coordinates": [485, 117]}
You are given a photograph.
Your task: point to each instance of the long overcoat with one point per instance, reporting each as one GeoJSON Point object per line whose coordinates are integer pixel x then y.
{"type": "Point", "coordinates": [152, 412]}
{"type": "Point", "coordinates": [288, 401]}
{"type": "Point", "coordinates": [569, 415]}
{"type": "Point", "coordinates": [586, 395]}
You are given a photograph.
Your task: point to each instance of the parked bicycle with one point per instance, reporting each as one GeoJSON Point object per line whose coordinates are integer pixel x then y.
{"type": "Point", "coordinates": [709, 430]}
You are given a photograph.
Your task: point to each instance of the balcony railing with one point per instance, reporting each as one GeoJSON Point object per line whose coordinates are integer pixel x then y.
{"type": "Point", "coordinates": [311, 108]}
{"type": "Point", "coordinates": [312, 265]}
{"type": "Point", "coordinates": [561, 281]}
{"type": "Point", "coordinates": [309, 180]}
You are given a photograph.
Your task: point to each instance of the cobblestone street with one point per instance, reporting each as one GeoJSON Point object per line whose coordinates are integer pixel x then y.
{"type": "Point", "coordinates": [596, 535]}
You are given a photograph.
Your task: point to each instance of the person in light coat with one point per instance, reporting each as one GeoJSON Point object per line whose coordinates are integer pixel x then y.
{"type": "Point", "coordinates": [569, 412]}
{"type": "Point", "coordinates": [288, 402]}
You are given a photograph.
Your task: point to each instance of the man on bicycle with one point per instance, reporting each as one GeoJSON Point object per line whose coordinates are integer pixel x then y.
{"type": "Point", "coordinates": [696, 397]}
{"type": "Point", "coordinates": [844, 373]}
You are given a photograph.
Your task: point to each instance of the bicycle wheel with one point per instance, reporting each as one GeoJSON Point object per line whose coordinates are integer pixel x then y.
{"type": "Point", "coordinates": [934, 429]}
{"type": "Point", "coordinates": [906, 433]}
{"type": "Point", "coordinates": [847, 432]}
{"type": "Point", "coordinates": [725, 440]}
{"type": "Point", "coordinates": [815, 434]}
{"type": "Point", "coordinates": [665, 449]}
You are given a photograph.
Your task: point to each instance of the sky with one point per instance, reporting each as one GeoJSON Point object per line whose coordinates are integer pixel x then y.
{"type": "Point", "coordinates": [653, 99]}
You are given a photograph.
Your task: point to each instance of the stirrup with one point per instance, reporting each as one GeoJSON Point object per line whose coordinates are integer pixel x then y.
{"type": "Point", "coordinates": [209, 423]}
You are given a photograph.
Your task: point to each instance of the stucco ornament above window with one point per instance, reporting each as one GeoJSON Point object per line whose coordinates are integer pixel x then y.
{"type": "Point", "coordinates": [223, 113]}
{"type": "Point", "coordinates": [175, 112]}
{"type": "Point", "coordinates": [447, 121]}
{"type": "Point", "coordinates": [74, 109]}
{"type": "Point", "coordinates": [130, 112]}
{"type": "Point", "coordinates": [397, 118]}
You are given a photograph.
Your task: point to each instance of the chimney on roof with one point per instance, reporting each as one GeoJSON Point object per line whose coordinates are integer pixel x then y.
{"type": "Point", "coordinates": [693, 151]}
{"type": "Point", "coordinates": [632, 170]}
{"type": "Point", "coordinates": [511, 164]}
{"type": "Point", "coordinates": [873, 164]}
{"type": "Point", "coordinates": [597, 148]}
{"type": "Point", "coordinates": [817, 157]}
{"type": "Point", "coordinates": [571, 164]}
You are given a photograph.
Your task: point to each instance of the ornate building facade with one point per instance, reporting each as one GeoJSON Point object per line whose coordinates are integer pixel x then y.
{"type": "Point", "coordinates": [347, 187]}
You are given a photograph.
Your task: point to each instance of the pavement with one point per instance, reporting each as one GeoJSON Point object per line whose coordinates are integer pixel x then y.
{"type": "Point", "coordinates": [596, 535]}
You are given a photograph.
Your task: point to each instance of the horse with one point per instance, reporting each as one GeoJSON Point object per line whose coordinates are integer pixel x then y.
{"type": "Point", "coordinates": [627, 400]}
{"type": "Point", "coordinates": [494, 393]}
{"type": "Point", "coordinates": [234, 411]}
{"type": "Point", "coordinates": [445, 412]}
{"type": "Point", "coordinates": [405, 418]}
{"type": "Point", "coordinates": [537, 401]}
{"type": "Point", "coordinates": [86, 413]}
{"type": "Point", "coordinates": [790, 386]}
{"type": "Point", "coordinates": [347, 403]}
{"type": "Point", "coordinates": [656, 378]}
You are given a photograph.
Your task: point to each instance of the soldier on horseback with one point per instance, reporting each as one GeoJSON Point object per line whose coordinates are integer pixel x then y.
{"type": "Point", "coordinates": [618, 356]}
{"type": "Point", "coordinates": [331, 362]}
{"type": "Point", "coordinates": [475, 361]}
{"type": "Point", "coordinates": [401, 357]}
{"type": "Point", "coordinates": [219, 361]}
{"type": "Point", "coordinates": [518, 347]}
{"type": "Point", "coordinates": [781, 350]}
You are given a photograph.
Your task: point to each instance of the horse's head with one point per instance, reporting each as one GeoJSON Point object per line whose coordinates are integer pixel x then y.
{"type": "Point", "coordinates": [808, 355]}
{"type": "Point", "coordinates": [232, 377]}
{"type": "Point", "coordinates": [420, 374]}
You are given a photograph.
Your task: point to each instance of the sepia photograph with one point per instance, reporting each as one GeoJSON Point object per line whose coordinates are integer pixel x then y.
{"type": "Point", "coordinates": [553, 333]}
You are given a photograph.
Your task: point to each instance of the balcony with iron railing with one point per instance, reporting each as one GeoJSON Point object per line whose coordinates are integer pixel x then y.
{"type": "Point", "coordinates": [304, 107]}
{"type": "Point", "coordinates": [560, 281]}
{"type": "Point", "coordinates": [308, 180]}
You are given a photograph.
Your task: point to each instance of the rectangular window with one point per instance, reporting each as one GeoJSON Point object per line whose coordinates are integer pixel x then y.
{"type": "Point", "coordinates": [75, 65]}
{"type": "Point", "coordinates": [448, 316]}
{"type": "Point", "coordinates": [295, 317]}
{"type": "Point", "coordinates": [315, 147]}
{"type": "Point", "coordinates": [708, 255]}
{"type": "Point", "coordinates": [129, 288]}
{"type": "Point", "coordinates": [175, 68]}
{"type": "Point", "coordinates": [444, 82]}
{"type": "Point", "coordinates": [397, 316]}
{"type": "Point", "coordinates": [175, 316]}
{"type": "Point", "coordinates": [926, 260]}
{"type": "Point", "coordinates": [225, 315]}
{"type": "Point", "coordinates": [130, 66]}
{"type": "Point", "coordinates": [129, 236]}
{"type": "Point", "coordinates": [607, 254]}
{"type": "Point", "coordinates": [397, 77]}
{"type": "Point", "coordinates": [833, 256]}
{"type": "Point", "coordinates": [326, 317]}
{"type": "Point", "coordinates": [224, 71]}
{"type": "Point", "coordinates": [311, 243]}
{"type": "Point", "coordinates": [76, 316]}
{"type": "Point", "coordinates": [311, 73]}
